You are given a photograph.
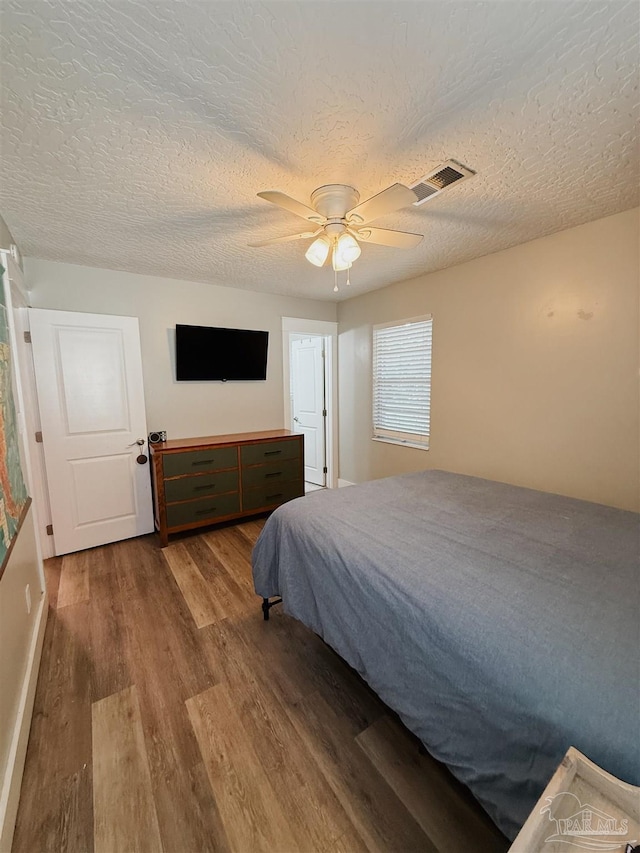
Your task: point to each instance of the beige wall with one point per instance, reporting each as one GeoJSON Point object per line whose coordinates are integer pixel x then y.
{"type": "Point", "coordinates": [21, 636]}
{"type": "Point", "coordinates": [182, 408]}
{"type": "Point", "coordinates": [6, 240]}
{"type": "Point", "coordinates": [5, 235]}
{"type": "Point", "coordinates": [20, 645]}
{"type": "Point", "coordinates": [535, 366]}
{"type": "Point", "coordinates": [16, 628]}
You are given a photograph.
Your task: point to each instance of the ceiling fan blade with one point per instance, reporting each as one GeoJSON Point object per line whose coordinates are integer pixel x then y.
{"type": "Point", "coordinates": [303, 236]}
{"type": "Point", "coordinates": [387, 201]}
{"type": "Point", "coordinates": [292, 205]}
{"type": "Point", "coordinates": [385, 237]}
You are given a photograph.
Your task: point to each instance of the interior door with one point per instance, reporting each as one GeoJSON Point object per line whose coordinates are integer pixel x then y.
{"type": "Point", "coordinates": [308, 404]}
{"type": "Point", "coordinates": [89, 381]}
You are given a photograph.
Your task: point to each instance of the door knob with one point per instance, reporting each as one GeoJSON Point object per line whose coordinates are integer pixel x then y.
{"type": "Point", "coordinates": [139, 442]}
{"type": "Point", "coordinates": [297, 420]}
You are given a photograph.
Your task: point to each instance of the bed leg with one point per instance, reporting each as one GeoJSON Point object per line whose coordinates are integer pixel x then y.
{"type": "Point", "coordinates": [267, 605]}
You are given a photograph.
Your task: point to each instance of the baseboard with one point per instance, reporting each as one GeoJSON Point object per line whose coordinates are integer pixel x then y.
{"type": "Point", "coordinates": [10, 795]}
{"type": "Point", "coordinates": [342, 483]}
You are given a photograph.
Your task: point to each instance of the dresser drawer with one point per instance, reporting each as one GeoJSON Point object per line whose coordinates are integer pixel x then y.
{"type": "Point", "coordinates": [197, 461]}
{"type": "Point", "coordinates": [185, 488]}
{"type": "Point", "coordinates": [271, 474]}
{"type": "Point", "coordinates": [270, 451]}
{"type": "Point", "coordinates": [271, 495]}
{"type": "Point", "coordinates": [202, 510]}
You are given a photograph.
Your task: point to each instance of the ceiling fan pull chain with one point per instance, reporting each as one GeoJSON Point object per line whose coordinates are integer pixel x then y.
{"type": "Point", "coordinates": [348, 273]}
{"type": "Point", "coordinates": [335, 278]}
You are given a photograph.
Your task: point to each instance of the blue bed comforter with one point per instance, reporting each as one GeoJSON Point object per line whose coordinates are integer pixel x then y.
{"type": "Point", "coordinates": [501, 623]}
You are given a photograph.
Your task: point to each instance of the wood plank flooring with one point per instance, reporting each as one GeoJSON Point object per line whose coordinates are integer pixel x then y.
{"type": "Point", "coordinates": [124, 813]}
{"type": "Point", "coordinates": [169, 717]}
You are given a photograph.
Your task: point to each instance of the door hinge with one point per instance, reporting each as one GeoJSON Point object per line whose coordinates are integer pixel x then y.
{"type": "Point", "coordinates": [324, 470]}
{"type": "Point", "coordinates": [324, 413]}
{"type": "Point", "coordinates": [39, 437]}
{"type": "Point", "coordinates": [49, 529]}
{"type": "Point", "coordinates": [27, 337]}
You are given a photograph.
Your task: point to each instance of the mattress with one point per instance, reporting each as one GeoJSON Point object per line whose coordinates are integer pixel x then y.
{"type": "Point", "coordinates": [500, 623]}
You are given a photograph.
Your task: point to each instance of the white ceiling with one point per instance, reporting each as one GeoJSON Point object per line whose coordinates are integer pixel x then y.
{"type": "Point", "coordinates": [136, 134]}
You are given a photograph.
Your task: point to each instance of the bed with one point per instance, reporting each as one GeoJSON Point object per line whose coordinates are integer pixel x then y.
{"type": "Point", "coordinates": [500, 623]}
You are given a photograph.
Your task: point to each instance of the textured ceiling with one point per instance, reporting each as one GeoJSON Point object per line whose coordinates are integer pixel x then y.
{"type": "Point", "coordinates": [136, 133]}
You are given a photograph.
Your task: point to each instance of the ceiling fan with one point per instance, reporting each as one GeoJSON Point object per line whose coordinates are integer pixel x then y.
{"type": "Point", "coordinates": [341, 222]}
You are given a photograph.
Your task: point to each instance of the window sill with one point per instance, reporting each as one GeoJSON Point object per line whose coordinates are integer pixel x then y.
{"type": "Point", "coordinates": [401, 443]}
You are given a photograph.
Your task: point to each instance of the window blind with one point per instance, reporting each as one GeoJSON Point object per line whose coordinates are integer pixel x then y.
{"type": "Point", "coordinates": [402, 381]}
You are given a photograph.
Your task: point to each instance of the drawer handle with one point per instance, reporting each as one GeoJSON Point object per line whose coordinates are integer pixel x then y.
{"type": "Point", "coordinates": [203, 462]}
{"type": "Point", "coordinates": [272, 452]}
{"type": "Point", "coordinates": [205, 511]}
{"type": "Point", "coordinates": [202, 488]}
{"type": "Point", "coordinates": [273, 474]}
{"type": "Point", "coordinates": [269, 497]}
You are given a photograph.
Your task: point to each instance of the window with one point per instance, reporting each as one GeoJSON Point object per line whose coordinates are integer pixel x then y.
{"type": "Point", "coordinates": [402, 381]}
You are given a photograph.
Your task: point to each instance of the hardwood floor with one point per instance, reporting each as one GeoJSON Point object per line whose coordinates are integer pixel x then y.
{"type": "Point", "coordinates": [170, 717]}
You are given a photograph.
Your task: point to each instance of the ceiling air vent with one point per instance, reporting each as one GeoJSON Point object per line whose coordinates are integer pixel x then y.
{"type": "Point", "coordinates": [440, 179]}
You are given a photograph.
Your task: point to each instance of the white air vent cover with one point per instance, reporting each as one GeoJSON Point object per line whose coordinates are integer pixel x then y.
{"type": "Point", "coordinates": [440, 179]}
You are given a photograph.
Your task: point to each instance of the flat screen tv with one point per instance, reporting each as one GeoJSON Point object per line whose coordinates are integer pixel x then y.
{"type": "Point", "coordinates": [206, 353]}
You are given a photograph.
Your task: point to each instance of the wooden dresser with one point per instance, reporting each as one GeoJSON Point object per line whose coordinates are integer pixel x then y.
{"type": "Point", "coordinates": [201, 481]}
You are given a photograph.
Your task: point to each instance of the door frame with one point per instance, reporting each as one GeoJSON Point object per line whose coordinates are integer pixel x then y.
{"type": "Point", "coordinates": [329, 331]}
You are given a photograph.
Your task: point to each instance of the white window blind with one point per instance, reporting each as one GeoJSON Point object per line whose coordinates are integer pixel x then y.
{"type": "Point", "coordinates": [402, 381]}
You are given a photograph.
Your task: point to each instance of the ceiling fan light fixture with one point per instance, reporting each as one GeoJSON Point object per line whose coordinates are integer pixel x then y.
{"type": "Point", "coordinates": [344, 221]}
{"type": "Point", "coordinates": [347, 248]}
{"type": "Point", "coordinates": [317, 252]}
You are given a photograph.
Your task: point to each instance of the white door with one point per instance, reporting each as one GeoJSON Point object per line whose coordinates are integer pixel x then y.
{"type": "Point", "coordinates": [89, 380]}
{"type": "Point", "coordinates": [308, 404]}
